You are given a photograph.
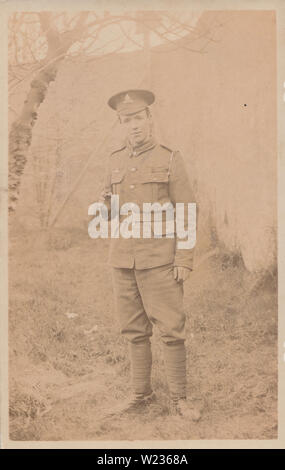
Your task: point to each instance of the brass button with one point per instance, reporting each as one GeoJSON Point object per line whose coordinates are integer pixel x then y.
{"type": "Point", "coordinates": [133, 169]}
{"type": "Point", "coordinates": [132, 186]}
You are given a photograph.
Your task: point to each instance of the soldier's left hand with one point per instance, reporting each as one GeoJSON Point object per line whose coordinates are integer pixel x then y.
{"type": "Point", "coordinates": [181, 273]}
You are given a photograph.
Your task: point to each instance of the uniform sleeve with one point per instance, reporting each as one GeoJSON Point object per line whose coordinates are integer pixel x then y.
{"type": "Point", "coordinates": [180, 191]}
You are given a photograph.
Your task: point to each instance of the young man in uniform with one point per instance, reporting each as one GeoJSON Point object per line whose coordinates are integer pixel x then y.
{"type": "Point", "coordinates": [148, 272]}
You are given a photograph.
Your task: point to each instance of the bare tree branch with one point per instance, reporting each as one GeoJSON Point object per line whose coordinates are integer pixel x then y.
{"type": "Point", "coordinates": [42, 40]}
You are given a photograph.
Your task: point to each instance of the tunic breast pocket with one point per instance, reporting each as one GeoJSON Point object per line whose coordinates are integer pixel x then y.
{"type": "Point", "coordinates": [153, 185]}
{"type": "Point", "coordinates": [117, 176]}
{"type": "Point", "coordinates": [160, 184]}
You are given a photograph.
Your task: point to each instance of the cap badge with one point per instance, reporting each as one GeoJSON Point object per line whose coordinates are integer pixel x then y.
{"type": "Point", "coordinates": [127, 99]}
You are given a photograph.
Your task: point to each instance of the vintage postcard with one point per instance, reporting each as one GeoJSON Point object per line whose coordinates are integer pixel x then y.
{"type": "Point", "coordinates": [142, 224]}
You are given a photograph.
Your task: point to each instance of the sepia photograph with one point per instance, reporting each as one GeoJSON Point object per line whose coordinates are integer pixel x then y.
{"type": "Point", "coordinates": [142, 250]}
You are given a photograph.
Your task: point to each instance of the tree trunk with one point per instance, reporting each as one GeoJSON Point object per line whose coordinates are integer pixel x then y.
{"type": "Point", "coordinates": [20, 137]}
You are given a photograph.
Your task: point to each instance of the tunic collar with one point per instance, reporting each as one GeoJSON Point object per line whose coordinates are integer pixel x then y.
{"type": "Point", "coordinates": [135, 151]}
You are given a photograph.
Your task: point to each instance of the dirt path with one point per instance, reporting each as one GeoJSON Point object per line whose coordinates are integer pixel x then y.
{"type": "Point", "coordinates": [68, 364]}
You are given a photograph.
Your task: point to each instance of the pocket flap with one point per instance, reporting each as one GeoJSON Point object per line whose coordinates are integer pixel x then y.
{"type": "Point", "coordinates": [155, 175]}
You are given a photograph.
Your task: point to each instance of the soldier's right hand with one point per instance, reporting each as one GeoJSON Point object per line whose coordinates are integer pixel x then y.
{"type": "Point", "coordinates": [104, 195]}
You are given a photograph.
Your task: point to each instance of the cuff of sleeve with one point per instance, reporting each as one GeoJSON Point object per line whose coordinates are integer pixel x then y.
{"type": "Point", "coordinates": [103, 213]}
{"type": "Point", "coordinates": [184, 260]}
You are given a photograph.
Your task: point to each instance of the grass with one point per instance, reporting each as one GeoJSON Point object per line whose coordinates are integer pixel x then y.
{"type": "Point", "coordinates": [66, 369]}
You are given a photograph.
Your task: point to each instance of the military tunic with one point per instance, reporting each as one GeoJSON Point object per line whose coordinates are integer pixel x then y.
{"type": "Point", "coordinates": [151, 174]}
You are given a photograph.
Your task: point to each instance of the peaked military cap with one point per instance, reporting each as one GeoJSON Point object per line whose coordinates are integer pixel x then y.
{"type": "Point", "coordinates": [131, 101]}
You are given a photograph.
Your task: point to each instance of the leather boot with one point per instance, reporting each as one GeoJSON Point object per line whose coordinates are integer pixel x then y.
{"type": "Point", "coordinates": [186, 408]}
{"type": "Point", "coordinates": [142, 394]}
{"type": "Point", "coordinates": [136, 403]}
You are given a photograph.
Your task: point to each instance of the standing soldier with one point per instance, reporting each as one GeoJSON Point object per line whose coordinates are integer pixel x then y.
{"type": "Point", "coordinates": [148, 273]}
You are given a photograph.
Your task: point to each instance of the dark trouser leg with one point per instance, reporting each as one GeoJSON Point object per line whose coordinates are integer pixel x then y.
{"type": "Point", "coordinates": [162, 296]}
{"type": "Point", "coordinates": [135, 327]}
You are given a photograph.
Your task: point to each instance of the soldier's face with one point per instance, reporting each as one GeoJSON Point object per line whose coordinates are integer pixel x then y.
{"type": "Point", "coordinates": [137, 127]}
